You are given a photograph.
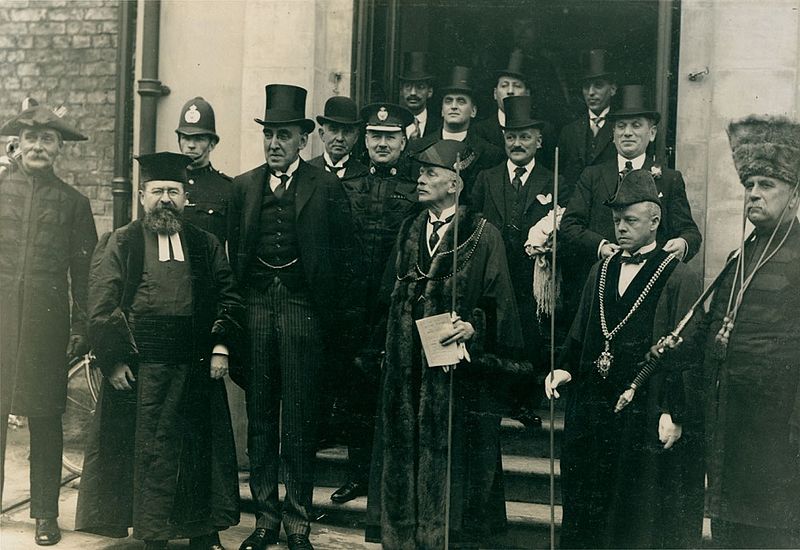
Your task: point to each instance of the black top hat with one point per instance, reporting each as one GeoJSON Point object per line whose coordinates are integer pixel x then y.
{"type": "Point", "coordinates": [386, 117]}
{"type": "Point", "coordinates": [597, 65]}
{"type": "Point", "coordinates": [197, 119]}
{"type": "Point", "coordinates": [340, 110]}
{"type": "Point", "coordinates": [634, 104]}
{"type": "Point", "coordinates": [39, 116]}
{"type": "Point", "coordinates": [516, 67]}
{"type": "Point", "coordinates": [286, 104]}
{"type": "Point", "coordinates": [415, 66]}
{"type": "Point", "coordinates": [519, 113]}
{"type": "Point", "coordinates": [460, 81]}
{"type": "Point", "coordinates": [164, 166]}
{"type": "Point", "coordinates": [446, 153]}
{"type": "Point", "coordinates": [636, 186]}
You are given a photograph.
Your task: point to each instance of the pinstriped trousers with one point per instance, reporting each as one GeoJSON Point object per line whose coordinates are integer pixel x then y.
{"type": "Point", "coordinates": [285, 358]}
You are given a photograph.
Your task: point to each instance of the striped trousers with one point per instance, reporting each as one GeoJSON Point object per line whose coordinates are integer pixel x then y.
{"type": "Point", "coordinates": [285, 358]}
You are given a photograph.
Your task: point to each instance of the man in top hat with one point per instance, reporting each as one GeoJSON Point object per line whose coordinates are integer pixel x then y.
{"type": "Point", "coordinates": [416, 88]}
{"type": "Point", "coordinates": [458, 111]}
{"type": "Point", "coordinates": [514, 196]}
{"type": "Point", "coordinates": [587, 225]}
{"type": "Point", "coordinates": [47, 235]}
{"type": "Point", "coordinates": [379, 201]}
{"type": "Point", "coordinates": [209, 190]}
{"type": "Point", "coordinates": [290, 247]}
{"type": "Point", "coordinates": [408, 499]}
{"type": "Point", "coordinates": [631, 478]}
{"type": "Point", "coordinates": [339, 130]}
{"type": "Point", "coordinates": [163, 320]}
{"type": "Point", "coordinates": [588, 140]}
{"type": "Point", "coordinates": [751, 360]}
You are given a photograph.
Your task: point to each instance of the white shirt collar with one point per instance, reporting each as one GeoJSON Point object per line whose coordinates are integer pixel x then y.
{"type": "Point", "coordinates": [501, 118]}
{"type": "Point", "coordinates": [422, 118]}
{"type": "Point", "coordinates": [274, 180]}
{"type": "Point", "coordinates": [458, 136]}
{"type": "Point", "coordinates": [637, 162]}
{"type": "Point", "coordinates": [446, 213]}
{"type": "Point", "coordinates": [602, 115]}
{"type": "Point", "coordinates": [628, 272]}
{"type": "Point", "coordinates": [292, 167]}
{"type": "Point", "coordinates": [332, 164]}
{"type": "Point", "coordinates": [170, 247]}
{"type": "Point", "coordinates": [512, 169]}
{"type": "Point", "coordinates": [644, 250]}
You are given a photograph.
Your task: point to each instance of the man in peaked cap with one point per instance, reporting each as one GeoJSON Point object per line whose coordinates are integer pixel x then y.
{"type": "Point", "coordinates": [163, 320]}
{"type": "Point", "coordinates": [47, 235]}
{"type": "Point", "coordinates": [631, 478]}
{"type": "Point", "coordinates": [380, 200]}
{"type": "Point", "coordinates": [458, 111]}
{"type": "Point", "coordinates": [514, 196]}
{"type": "Point", "coordinates": [209, 190]}
{"type": "Point", "coordinates": [339, 130]}
{"type": "Point", "coordinates": [753, 396]}
{"type": "Point", "coordinates": [291, 248]}
{"type": "Point", "coordinates": [416, 89]}
{"type": "Point", "coordinates": [410, 459]}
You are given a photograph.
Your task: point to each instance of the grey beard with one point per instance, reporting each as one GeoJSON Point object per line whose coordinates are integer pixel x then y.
{"type": "Point", "coordinates": [164, 221]}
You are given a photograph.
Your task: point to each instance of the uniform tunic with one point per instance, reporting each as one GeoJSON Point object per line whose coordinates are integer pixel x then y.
{"type": "Point", "coordinates": [209, 194]}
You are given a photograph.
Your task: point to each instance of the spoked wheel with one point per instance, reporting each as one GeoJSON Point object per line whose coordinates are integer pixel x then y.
{"type": "Point", "coordinates": [83, 388]}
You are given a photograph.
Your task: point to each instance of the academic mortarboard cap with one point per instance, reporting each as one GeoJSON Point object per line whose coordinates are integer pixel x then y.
{"type": "Point", "coordinates": [597, 65]}
{"type": "Point", "coordinates": [341, 110]}
{"type": "Point", "coordinates": [766, 146]}
{"type": "Point", "coordinates": [446, 153]}
{"type": "Point", "coordinates": [634, 104]}
{"type": "Point", "coordinates": [197, 119]}
{"type": "Point", "coordinates": [42, 117]}
{"type": "Point", "coordinates": [386, 117]}
{"type": "Point", "coordinates": [519, 113]}
{"type": "Point", "coordinates": [285, 104]}
{"type": "Point", "coordinates": [165, 166]}
{"type": "Point", "coordinates": [636, 186]}
{"type": "Point", "coordinates": [460, 81]}
{"type": "Point", "coordinates": [415, 67]}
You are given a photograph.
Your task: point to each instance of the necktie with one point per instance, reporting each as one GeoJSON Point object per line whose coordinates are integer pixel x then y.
{"type": "Point", "coordinates": [626, 170]}
{"type": "Point", "coordinates": [416, 133]}
{"type": "Point", "coordinates": [280, 189]}
{"type": "Point", "coordinates": [516, 183]}
{"type": "Point", "coordinates": [595, 124]}
{"type": "Point", "coordinates": [437, 225]}
{"type": "Point", "coordinates": [637, 258]}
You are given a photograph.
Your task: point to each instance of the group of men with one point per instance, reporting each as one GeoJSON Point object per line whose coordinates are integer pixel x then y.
{"type": "Point", "coordinates": [295, 273]}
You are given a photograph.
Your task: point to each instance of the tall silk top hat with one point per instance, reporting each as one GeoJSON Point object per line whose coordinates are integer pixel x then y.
{"type": "Point", "coordinates": [460, 81]}
{"type": "Point", "coordinates": [165, 166]}
{"type": "Point", "coordinates": [516, 67]}
{"type": "Point", "coordinates": [386, 117]}
{"type": "Point", "coordinates": [634, 104]}
{"type": "Point", "coordinates": [42, 117]}
{"type": "Point", "coordinates": [519, 113]}
{"type": "Point", "coordinates": [597, 65]}
{"type": "Point", "coordinates": [285, 104]}
{"type": "Point", "coordinates": [636, 186]}
{"type": "Point", "coordinates": [197, 119]}
{"type": "Point", "coordinates": [340, 110]}
{"type": "Point", "coordinates": [415, 67]}
{"type": "Point", "coordinates": [766, 146]}
{"type": "Point", "coordinates": [447, 153]}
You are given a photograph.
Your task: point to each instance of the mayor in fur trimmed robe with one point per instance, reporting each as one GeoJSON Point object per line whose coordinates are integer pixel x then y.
{"type": "Point", "coordinates": [407, 487]}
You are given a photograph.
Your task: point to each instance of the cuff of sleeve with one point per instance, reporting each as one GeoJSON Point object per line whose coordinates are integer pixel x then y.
{"type": "Point", "coordinates": [220, 349]}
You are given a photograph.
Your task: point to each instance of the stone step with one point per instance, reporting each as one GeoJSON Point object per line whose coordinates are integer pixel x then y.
{"type": "Point", "coordinates": [517, 439]}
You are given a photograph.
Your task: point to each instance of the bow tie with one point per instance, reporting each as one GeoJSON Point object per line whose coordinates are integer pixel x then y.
{"type": "Point", "coordinates": [597, 119]}
{"type": "Point", "coordinates": [637, 258]}
{"type": "Point", "coordinates": [335, 169]}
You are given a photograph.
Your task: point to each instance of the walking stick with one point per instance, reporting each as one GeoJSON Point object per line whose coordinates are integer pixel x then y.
{"type": "Point", "coordinates": [553, 360]}
{"type": "Point", "coordinates": [448, 480]}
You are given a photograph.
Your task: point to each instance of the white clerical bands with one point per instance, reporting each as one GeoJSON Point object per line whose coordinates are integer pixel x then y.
{"type": "Point", "coordinates": [164, 243]}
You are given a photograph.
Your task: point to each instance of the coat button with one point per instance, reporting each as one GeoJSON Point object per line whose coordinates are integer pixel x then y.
{"type": "Point", "coordinates": [210, 211]}
{"type": "Point", "coordinates": [191, 182]}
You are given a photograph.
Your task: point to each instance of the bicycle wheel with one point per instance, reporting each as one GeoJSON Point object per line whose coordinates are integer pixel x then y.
{"type": "Point", "coordinates": [83, 385]}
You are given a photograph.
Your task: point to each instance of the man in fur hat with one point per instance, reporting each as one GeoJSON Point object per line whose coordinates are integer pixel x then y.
{"type": "Point", "coordinates": [407, 498]}
{"type": "Point", "coordinates": [631, 478]}
{"type": "Point", "coordinates": [751, 361]}
{"type": "Point", "coordinates": [47, 235]}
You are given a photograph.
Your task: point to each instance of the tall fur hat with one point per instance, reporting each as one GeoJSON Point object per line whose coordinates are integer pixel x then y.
{"type": "Point", "coordinates": [766, 146]}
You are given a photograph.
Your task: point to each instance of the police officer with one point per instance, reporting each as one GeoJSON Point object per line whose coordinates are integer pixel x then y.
{"type": "Point", "coordinates": [209, 189]}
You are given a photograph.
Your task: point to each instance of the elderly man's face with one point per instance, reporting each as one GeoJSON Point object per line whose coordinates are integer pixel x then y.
{"type": "Point", "coordinates": [597, 94]}
{"type": "Point", "coordinates": [508, 86]}
{"type": "Point", "coordinates": [765, 200]}
{"type": "Point", "coordinates": [458, 109]}
{"type": "Point", "coordinates": [385, 147]}
{"type": "Point", "coordinates": [338, 139]}
{"type": "Point", "coordinates": [436, 185]}
{"type": "Point", "coordinates": [39, 147]}
{"type": "Point", "coordinates": [633, 135]}
{"type": "Point", "coordinates": [282, 145]}
{"type": "Point", "coordinates": [521, 145]}
{"type": "Point", "coordinates": [415, 94]}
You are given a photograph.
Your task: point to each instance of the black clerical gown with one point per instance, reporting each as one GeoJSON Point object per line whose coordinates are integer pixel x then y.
{"type": "Point", "coordinates": [620, 488]}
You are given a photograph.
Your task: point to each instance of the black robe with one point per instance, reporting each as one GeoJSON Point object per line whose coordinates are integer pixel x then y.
{"type": "Point", "coordinates": [161, 458]}
{"type": "Point", "coordinates": [620, 488]}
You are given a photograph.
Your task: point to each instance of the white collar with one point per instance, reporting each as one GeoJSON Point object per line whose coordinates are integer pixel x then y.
{"type": "Point", "coordinates": [446, 213]}
{"type": "Point", "coordinates": [458, 136]}
{"type": "Point", "coordinates": [289, 171]}
{"type": "Point", "coordinates": [603, 114]}
{"type": "Point", "coordinates": [164, 243]}
{"type": "Point", "coordinates": [422, 118]}
{"type": "Point", "coordinates": [637, 162]}
{"type": "Point", "coordinates": [644, 250]}
{"type": "Point", "coordinates": [512, 169]}
{"type": "Point", "coordinates": [501, 118]}
{"type": "Point", "coordinates": [336, 165]}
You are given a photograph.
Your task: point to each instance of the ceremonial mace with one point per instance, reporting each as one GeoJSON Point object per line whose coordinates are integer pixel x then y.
{"type": "Point", "coordinates": [553, 278]}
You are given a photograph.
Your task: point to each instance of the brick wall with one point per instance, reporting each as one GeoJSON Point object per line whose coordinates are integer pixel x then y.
{"type": "Point", "coordinates": [63, 52]}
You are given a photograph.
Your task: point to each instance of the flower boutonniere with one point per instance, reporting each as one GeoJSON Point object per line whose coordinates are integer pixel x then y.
{"type": "Point", "coordinates": [655, 171]}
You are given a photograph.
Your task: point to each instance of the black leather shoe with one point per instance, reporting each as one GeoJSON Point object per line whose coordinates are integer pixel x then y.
{"type": "Point", "coordinates": [529, 419]}
{"type": "Point", "coordinates": [296, 541]}
{"type": "Point", "coordinates": [260, 539]}
{"type": "Point", "coordinates": [349, 491]}
{"type": "Point", "coordinates": [47, 532]}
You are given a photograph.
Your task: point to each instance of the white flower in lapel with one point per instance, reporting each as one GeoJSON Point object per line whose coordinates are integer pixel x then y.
{"type": "Point", "coordinates": [545, 199]}
{"type": "Point", "coordinates": [655, 171]}
{"type": "Point", "coordinates": [660, 195]}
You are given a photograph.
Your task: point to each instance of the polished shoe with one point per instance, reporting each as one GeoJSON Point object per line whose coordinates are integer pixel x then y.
{"type": "Point", "coordinates": [529, 419]}
{"type": "Point", "coordinates": [349, 491]}
{"type": "Point", "coordinates": [260, 539]}
{"type": "Point", "coordinates": [296, 541]}
{"type": "Point", "coordinates": [47, 532]}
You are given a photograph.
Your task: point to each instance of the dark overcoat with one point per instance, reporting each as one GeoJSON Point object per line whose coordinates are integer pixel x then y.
{"type": "Point", "coordinates": [47, 235]}
{"type": "Point", "coordinates": [575, 151]}
{"type": "Point", "coordinates": [204, 495]}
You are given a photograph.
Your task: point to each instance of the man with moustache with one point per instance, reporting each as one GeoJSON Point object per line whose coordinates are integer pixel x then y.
{"type": "Point", "coordinates": [291, 248]}
{"type": "Point", "coordinates": [416, 88]}
{"type": "Point", "coordinates": [632, 477]}
{"type": "Point", "coordinates": [163, 320]}
{"type": "Point", "coordinates": [47, 235]}
{"type": "Point", "coordinates": [379, 200]}
{"type": "Point", "coordinates": [209, 191]}
{"type": "Point", "coordinates": [458, 111]}
{"type": "Point", "coordinates": [339, 130]}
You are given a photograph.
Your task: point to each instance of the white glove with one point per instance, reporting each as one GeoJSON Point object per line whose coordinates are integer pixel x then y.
{"type": "Point", "coordinates": [559, 377]}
